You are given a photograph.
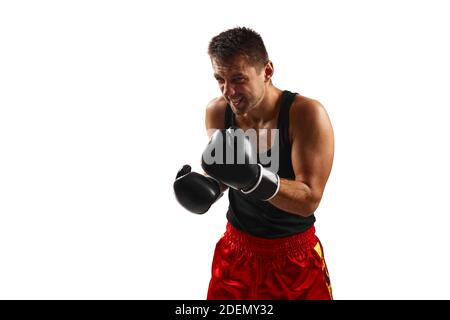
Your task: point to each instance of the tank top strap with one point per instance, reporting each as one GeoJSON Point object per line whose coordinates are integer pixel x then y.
{"type": "Point", "coordinates": [283, 117]}
{"type": "Point", "coordinates": [229, 117]}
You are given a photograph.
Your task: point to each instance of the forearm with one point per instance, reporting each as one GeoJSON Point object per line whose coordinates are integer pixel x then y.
{"type": "Point", "coordinates": [295, 197]}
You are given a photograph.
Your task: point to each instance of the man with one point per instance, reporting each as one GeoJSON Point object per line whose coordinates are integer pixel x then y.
{"type": "Point", "coordinates": [269, 249]}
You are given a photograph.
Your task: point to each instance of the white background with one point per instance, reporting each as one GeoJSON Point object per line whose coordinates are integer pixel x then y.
{"type": "Point", "coordinates": [101, 102]}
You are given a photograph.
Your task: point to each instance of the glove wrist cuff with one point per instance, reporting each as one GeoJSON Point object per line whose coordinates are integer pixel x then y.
{"type": "Point", "coordinates": [214, 180]}
{"type": "Point", "coordinates": [266, 187]}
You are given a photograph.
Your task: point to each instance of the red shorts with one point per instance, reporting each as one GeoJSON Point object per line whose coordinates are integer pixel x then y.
{"type": "Point", "coordinates": [252, 268]}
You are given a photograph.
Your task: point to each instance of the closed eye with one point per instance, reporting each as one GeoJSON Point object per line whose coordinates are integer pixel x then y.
{"type": "Point", "coordinates": [239, 80]}
{"type": "Point", "coordinates": [220, 80]}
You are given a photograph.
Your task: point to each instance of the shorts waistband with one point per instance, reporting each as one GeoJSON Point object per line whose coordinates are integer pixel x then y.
{"type": "Point", "coordinates": [270, 246]}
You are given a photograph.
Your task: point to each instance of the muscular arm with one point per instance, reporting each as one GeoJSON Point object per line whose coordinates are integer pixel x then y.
{"type": "Point", "coordinates": [312, 159]}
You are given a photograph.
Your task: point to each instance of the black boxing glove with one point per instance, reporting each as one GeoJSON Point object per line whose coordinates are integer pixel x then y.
{"type": "Point", "coordinates": [246, 175]}
{"type": "Point", "coordinates": [194, 191]}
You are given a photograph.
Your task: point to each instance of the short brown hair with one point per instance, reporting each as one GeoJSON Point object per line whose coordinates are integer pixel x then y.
{"type": "Point", "coordinates": [239, 41]}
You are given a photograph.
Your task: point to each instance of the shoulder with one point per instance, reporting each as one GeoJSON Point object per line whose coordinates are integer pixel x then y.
{"type": "Point", "coordinates": [216, 107]}
{"type": "Point", "coordinates": [307, 115]}
{"type": "Point", "coordinates": [215, 114]}
{"type": "Point", "coordinates": [304, 107]}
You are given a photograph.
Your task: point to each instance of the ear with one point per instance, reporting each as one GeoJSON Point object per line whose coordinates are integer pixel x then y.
{"type": "Point", "coordinates": [268, 71]}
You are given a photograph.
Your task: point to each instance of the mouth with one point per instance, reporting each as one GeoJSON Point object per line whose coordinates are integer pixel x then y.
{"type": "Point", "coordinates": [236, 101]}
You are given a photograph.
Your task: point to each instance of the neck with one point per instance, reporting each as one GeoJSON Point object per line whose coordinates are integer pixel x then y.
{"type": "Point", "coordinates": [267, 109]}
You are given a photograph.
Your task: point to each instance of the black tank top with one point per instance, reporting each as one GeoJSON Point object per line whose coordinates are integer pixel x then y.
{"type": "Point", "coordinates": [261, 218]}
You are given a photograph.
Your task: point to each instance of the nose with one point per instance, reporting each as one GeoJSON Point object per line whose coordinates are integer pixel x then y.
{"type": "Point", "coordinates": [228, 90]}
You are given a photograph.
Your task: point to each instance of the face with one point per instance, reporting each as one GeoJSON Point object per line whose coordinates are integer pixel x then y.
{"type": "Point", "coordinates": [241, 84]}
